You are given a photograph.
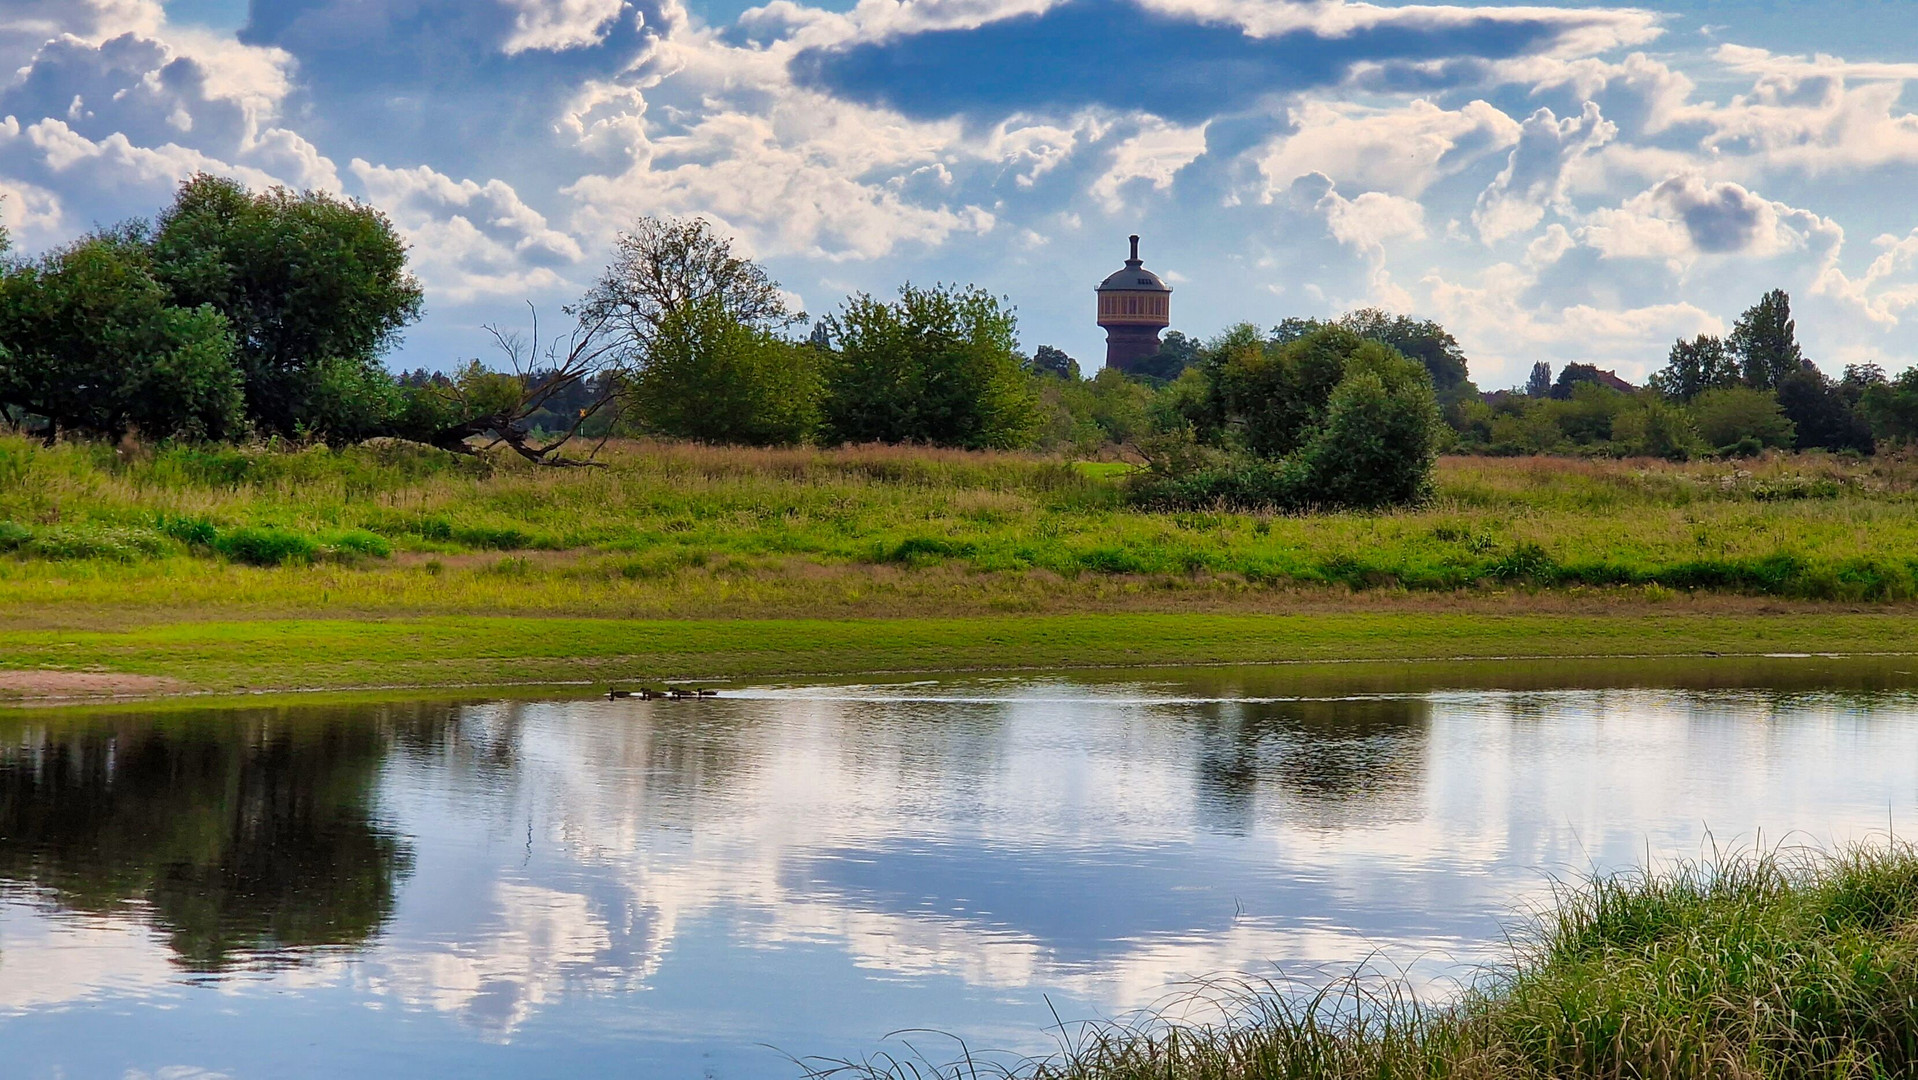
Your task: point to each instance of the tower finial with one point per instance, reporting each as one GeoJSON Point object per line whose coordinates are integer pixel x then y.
{"type": "Point", "coordinates": [1135, 248]}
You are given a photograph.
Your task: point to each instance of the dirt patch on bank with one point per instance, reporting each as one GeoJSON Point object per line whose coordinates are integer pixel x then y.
{"type": "Point", "coordinates": [42, 685]}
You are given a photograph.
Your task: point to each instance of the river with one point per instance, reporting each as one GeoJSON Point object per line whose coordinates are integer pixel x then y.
{"type": "Point", "coordinates": [561, 888]}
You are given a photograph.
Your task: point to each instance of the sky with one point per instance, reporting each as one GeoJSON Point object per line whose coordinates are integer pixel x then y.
{"type": "Point", "coordinates": [1551, 181]}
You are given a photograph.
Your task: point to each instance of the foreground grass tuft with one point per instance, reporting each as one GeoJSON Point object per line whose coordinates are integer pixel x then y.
{"type": "Point", "coordinates": [1782, 965]}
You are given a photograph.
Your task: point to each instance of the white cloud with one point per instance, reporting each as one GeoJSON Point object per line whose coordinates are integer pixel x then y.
{"type": "Point", "coordinates": [558, 25]}
{"type": "Point", "coordinates": [1535, 175]}
{"type": "Point", "coordinates": [1402, 151]}
{"type": "Point", "coordinates": [1685, 217]}
{"type": "Point", "coordinates": [469, 239]}
{"type": "Point", "coordinates": [1154, 155]}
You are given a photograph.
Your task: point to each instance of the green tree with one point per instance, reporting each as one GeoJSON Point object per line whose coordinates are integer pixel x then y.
{"type": "Point", "coordinates": [315, 289]}
{"type": "Point", "coordinates": [1047, 360]}
{"type": "Point", "coordinates": [1824, 414]}
{"type": "Point", "coordinates": [1765, 341]}
{"type": "Point", "coordinates": [90, 343]}
{"type": "Point", "coordinates": [663, 265]}
{"type": "Point", "coordinates": [1570, 377]}
{"type": "Point", "coordinates": [1650, 426]}
{"type": "Point", "coordinates": [1735, 416]}
{"type": "Point", "coordinates": [1328, 419]}
{"type": "Point", "coordinates": [1176, 353]}
{"type": "Point", "coordinates": [1379, 436]}
{"type": "Point", "coordinates": [939, 365]}
{"type": "Point", "coordinates": [1540, 383]}
{"type": "Point", "coordinates": [1891, 408]}
{"type": "Point", "coordinates": [711, 378]}
{"type": "Point", "coordinates": [1695, 366]}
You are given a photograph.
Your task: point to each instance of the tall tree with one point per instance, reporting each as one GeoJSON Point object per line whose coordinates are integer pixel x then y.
{"type": "Point", "coordinates": [316, 291]}
{"type": "Point", "coordinates": [1540, 383]}
{"type": "Point", "coordinates": [710, 378]}
{"type": "Point", "coordinates": [1695, 366]}
{"type": "Point", "coordinates": [663, 265]}
{"type": "Point", "coordinates": [1765, 341]}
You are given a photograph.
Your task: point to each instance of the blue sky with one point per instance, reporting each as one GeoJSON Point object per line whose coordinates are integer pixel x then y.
{"type": "Point", "coordinates": [1555, 181]}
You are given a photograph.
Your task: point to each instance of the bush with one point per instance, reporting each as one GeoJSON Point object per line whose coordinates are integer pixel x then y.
{"type": "Point", "coordinates": [711, 378]}
{"type": "Point", "coordinates": [1729, 416]}
{"type": "Point", "coordinates": [90, 341]}
{"type": "Point", "coordinates": [1328, 419]}
{"type": "Point", "coordinates": [266, 546]}
{"type": "Point", "coordinates": [938, 366]}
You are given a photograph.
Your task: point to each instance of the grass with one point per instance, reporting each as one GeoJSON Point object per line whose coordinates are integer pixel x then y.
{"type": "Point", "coordinates": [391, 564]}
{"type": "Point", "coordinates": [679, 530]}
{"type": "Point", "coordinates": [232, 656]}
{"type": "Point", "coordinates": [1781, 965]}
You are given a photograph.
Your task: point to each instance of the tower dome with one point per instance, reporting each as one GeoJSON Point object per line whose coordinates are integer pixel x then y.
{"type": "Point", "coordinates": [1134, 305]}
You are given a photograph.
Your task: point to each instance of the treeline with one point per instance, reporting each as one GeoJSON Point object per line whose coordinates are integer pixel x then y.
{"type": "Point", "coordinates": [1740, 395]}
{"type": "Point", "coordinates": [241, 316]}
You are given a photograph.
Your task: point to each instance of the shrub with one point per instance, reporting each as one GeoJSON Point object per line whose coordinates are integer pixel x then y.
{"type": "Point", "coordinates": [939, 366]}
{"type": "Point", "coordinates": [266, 546]}
{"type": "Point", "coordinates": [711, 378]}
{"type": "Point", "coordinates": [1328, 419]}
{"type": "Point", "coordinates": [1728, 416]}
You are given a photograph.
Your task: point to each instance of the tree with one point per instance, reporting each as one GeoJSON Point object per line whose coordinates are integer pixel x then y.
{"type": "Point", "coordinates": [315, 289]}
{"type": "Point", "coordinates": [939, 365]}
{"type": "Point", "coordinates": [1417, 339]}
{"type": "Point", "coordinates": [1695, 366]}
{"type": "Point", "coordinates": [1570, 377]}
{"type": "Point", "coordinates": [1379, 437]}
{"type": "Point", "coordinates": [1047, 360]}
{"type": "Point", "coordinates": [1327, 419]}
{"type": "Point", "coordinates": [1891, 407]}
{"type": "Point", "coordinates": [90, 344]}
{"type": "Point", "coordinates": [1735, 416]}
{"type": "Point", "coordinates": [1175, 354]}
{"type": "Point", "coordinates": [1650, 426]}
{"type": "Point", "coordinates": [1540, 383]}
{"type": "Point", "coordinates": [663, 265]}
{"type": "Point", "coordinates": [710, 378]}
{"type": "Point", "coordinates": [1823, 414]}
{"type": "Point", "coordinates": [1765, 341]}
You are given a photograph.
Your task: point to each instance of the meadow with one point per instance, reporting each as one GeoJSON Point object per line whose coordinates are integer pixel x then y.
{"type": "Point", "coordinates": [1787, 964]}
{"type": "Point", "coordinates": [420, 567]}
{"type": "Point", "coordinates": [681, 530]}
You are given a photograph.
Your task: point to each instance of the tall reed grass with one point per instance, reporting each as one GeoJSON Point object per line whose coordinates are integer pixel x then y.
{"type": "Point", "coordinates": [1790, 964]}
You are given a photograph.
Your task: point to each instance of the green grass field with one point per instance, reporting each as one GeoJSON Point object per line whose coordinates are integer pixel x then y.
{"type": "Point", "coordinates": [222, 569]}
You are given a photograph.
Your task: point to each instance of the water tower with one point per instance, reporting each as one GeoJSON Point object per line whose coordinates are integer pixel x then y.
{"type": "Point", "coordinates": [1134, 305]}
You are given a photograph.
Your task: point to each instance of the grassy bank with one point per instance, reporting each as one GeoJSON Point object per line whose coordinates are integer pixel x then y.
{"type": "Point", "coordinates": [679, 531]}
{"type": "Point", "coordinates": [214, 656]}
{"type": "Point", "coordinates": [1766, 967]}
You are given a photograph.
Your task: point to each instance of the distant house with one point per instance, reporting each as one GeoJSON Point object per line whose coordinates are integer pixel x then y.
{"type": "Point", "coordinates": [1610, 381]}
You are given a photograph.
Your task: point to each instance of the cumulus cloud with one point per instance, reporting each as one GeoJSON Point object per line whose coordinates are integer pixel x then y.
{"type": "Point", "coordinates": [1686, 216]}
{"type": "Point", "coordinates": [1154, 155]}
{"type": "Point", "coordinates": [1535, 174]}
{"type": "Point", "coordinates": [558, 25]}
{"type": "Point", "coordinates": [469, 239]}
{"type": "Point", "coordinates": [1402, 151]}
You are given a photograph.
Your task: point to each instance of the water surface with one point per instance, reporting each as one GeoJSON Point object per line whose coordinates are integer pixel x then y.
{"type": "Point", "coordinates": [574, 888]}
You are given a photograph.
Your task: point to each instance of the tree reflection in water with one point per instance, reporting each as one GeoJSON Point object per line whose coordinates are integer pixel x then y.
{"type": "Point", "coordinates": [246, 838]}
{"type": "Point", "coordinates": [1344, 761]}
